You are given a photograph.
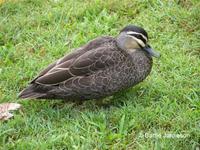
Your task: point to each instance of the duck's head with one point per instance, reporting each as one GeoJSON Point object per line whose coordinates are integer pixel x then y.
{"type": "Point", "coordinates": [134, 37]}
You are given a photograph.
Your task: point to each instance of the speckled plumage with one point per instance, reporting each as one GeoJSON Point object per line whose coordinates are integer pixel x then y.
{"type": "Point", "coordinates": [93, 71]}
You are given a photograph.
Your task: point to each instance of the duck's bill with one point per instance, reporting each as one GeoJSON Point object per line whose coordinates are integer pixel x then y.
{"type": "Point", "coordinates": [152, 52]}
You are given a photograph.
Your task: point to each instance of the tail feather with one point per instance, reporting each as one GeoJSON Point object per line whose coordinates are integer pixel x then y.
{"type": "Point", "coordinates": [30, 92]}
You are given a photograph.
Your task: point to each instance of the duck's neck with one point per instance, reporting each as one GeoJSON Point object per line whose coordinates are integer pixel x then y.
{"type": "Point", "coordinates": [142, 61]}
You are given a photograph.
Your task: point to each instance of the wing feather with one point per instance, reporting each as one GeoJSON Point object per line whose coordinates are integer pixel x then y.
{"type": "Point", "coordinates": [54, 77]}
{"type": "Point", "coordinates": [82, 62]}
{"type": "Point", "coordinates": [84, 65]}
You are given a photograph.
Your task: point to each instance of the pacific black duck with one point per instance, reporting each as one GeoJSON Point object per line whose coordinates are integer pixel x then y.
{"type": "Point", "coordinates": [98, 69]}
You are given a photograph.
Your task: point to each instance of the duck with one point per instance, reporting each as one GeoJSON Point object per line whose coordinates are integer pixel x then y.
{"type": "Point", "coordinates": [98, 69]}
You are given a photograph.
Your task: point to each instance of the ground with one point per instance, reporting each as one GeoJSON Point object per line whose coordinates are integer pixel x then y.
{"type": "Point", "coordinates": [163, 112]}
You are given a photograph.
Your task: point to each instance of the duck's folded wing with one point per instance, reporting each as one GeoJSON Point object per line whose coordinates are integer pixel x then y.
{"type": "Point", "coordinates": [75, 54]}
{"type": "Point", "coordinates": [86, 64]}
{"type": "Point", "coordinates": [68, 58]}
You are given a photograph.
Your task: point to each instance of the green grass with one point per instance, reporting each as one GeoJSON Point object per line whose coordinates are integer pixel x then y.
{"type": "Point", "coordinates": [34, 33]}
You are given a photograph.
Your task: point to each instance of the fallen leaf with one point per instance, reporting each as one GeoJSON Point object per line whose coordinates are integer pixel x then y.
{"type": "Point", "coordinates": [5, 108]}
{"type": "Point", "coordinates": [2, 1]}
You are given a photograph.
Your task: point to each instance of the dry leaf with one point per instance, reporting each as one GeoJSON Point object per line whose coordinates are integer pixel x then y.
{"type": "Point", "coordinates": [2, 1]}
{"type": "Point", "coordinates": [5, 108]}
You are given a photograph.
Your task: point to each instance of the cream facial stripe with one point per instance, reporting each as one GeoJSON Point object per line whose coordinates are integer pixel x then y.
{"type": "Point", "coordinates": [140, 42]}
{"type": "Point", "coordinates": [131, 32]}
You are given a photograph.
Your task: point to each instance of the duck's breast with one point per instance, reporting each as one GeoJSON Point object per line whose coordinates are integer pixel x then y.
{"type": "Point", "coordinates": [141, 65]}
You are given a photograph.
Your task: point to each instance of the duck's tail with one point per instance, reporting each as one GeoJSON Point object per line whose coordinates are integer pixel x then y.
{"type": "Point", "coordinates": [30, 93]}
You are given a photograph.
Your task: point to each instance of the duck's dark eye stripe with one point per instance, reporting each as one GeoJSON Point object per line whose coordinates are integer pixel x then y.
{"type": "Point", "coordinates": [139, 37]}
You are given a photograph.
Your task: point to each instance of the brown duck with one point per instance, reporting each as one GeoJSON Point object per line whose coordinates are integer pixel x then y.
{"type": "Point", "coordinates": [98, 69]}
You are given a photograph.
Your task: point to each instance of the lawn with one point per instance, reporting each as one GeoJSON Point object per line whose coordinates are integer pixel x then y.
{"type": "Point", "coordinates": [163, 112]}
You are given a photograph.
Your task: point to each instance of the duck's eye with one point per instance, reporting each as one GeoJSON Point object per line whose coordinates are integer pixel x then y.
{"type": "Point", "coordinates": [140, 37]}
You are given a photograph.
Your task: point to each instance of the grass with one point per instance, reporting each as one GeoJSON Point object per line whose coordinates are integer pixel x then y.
{"type": "Point", "coordinates": [34, 33]}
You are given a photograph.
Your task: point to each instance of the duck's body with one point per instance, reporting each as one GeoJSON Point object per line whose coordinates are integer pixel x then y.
{"type": "Point", "coordinates": [95, 70]}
